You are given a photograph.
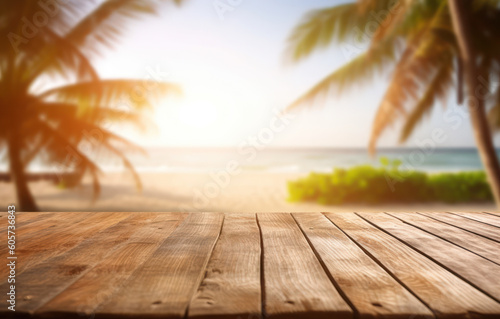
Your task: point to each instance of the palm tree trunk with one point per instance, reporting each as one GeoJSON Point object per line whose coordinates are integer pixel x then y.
{"type": "Point", "coordinates": [462, 25]}
{"type": "Point", "coordinates": [25, 200]}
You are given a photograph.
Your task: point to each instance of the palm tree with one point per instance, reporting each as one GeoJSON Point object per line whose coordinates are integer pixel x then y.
{"type": "Point", "coordinates": [428, 48]}
{"type": "Point", "coordinates": [49, 122]}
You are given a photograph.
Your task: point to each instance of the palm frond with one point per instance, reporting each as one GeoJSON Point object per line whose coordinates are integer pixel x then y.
{"type": "Point", "coordinates": [414, 69]}
{"type": "Point", "coordinates": [389, 16]}
{"type": "Point", "coordinates": [62, 141]}
{"type": "Point", "coordinates": [319, 28]}
{"type": "Point", "coordinates": [61, 16]}
{"type": "Point", "coordinates": [104, 25]}
{"type": "Point", "coordinates": [55, 124]}
{"type": "Point", "coordinates": [62, 150]}
{"type": "Point", "coordinates": [380, 54]}
{"type": "Point", "coordinates": [78, 130]}
{"type": "Point", "coordinates": [437, 89]}
{"type": "Point", "coordinates": [131, 93]}
{"type": "Point", "coordinates": [59, 57]}
{"type": "Point", "coordinates": [126, 162]}
{"type": "Point", "coordinates": [361, 69]}
{"type": "Point", "coordinates": [54, 111]}
{"type": "Point", "coordinates": [346, 23]}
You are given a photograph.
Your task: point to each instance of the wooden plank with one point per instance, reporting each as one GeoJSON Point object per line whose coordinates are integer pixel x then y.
{"type": "Point", "coordinates": [23, 219]}
{"type": "Point", "coordinates": [39, 284]}
{"type": "Point", "coordinates": [481, 217]}
{"type": "Point", "coordinates": [48, 242]}
{"type": "Point", "coordinates": [31, 237]}
{"type": "Point", "coordinates": [231, 287]}
{"type": "Point", "coordinates": [31, 219]}
{"type": "Point", "coordinates": [496, 214]}
{"type": "Point", "coordinates": [295, 283]}
{"type": "Point", "coordinates": [108, 275]}
{"type": "Point", "coordinates": [165, 283]}
{"type": "Point", "coordinates": [372, 291]}
{"type": "Point", "coordinates": [473, 226]}
{"type": "Point", "coordinates": [44, 225]}
{"type": "Point", "coordinates": [479, 245]}
{"type": "Point", "coordinates": [32, 240]}
{"type": "Point", "coordinates": [446, 294]}
{"type": "Point", "coordinates": [454, 258]}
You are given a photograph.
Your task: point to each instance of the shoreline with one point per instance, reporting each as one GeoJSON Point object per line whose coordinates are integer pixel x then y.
{"type": "Point", "coordinates": [195, 192]}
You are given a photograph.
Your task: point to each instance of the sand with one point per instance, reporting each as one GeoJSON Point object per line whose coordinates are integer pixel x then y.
{"type": "Point", "coordinates": [243, 193]}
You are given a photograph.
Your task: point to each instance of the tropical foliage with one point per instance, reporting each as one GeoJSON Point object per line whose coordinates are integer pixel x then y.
{"type": "Point", "coordinates": [388, 184]}
{"type": "Point", "coordinates": [414, 42]}
{"type": "Point", "coordinates": [51, 96]}
{"type": "Point", "coordinates": [417, 44]}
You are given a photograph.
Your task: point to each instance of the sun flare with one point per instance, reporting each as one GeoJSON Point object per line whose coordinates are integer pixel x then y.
{"type": "Point", "coordinates": [197, 113]}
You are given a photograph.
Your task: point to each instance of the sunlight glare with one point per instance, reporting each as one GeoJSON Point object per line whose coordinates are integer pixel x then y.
{"type": "Point", "coordinates": [197, 113]}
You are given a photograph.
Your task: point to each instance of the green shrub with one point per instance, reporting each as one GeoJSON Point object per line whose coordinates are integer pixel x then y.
{"type": "Point", "coordinates": [389, 184]}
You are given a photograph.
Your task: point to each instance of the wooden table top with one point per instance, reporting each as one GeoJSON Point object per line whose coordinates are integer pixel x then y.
{"type": "Point", "coordinates": [276, 265]}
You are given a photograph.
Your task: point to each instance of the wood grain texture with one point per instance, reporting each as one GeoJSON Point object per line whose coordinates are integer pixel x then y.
{"type": "Point", "coordinates": [446, 294]}
{"type": "Point", "coordinates": [481, 217]}
{"type": "Point", "coordinates": [38, 285]}
{"type": "Point", "coordinates": [231, 287]}
{"type": "Point", "coordinates": [456, 259]}
{"type": "Point", "coordinates": [23, 219]}
{"type": "Point", "coordinates": [477, 244]}
{"type": "Point", "coordinates": [295, 283]}
{"type": "Point", "coordinates": [372, 291]}
{"type": "Point", "coordinates": [165, 283]}
{"type": "Point", "coordinates": [44, 226]}
{"type": "Point", "coordinates": [473, 226]}
{"type": "Point", "coordinates": [497, 214]}
{"type": "Point", "coordinates": [59, 235]}
{"type": "Point", "coordinates": [98, 284]}
{"type": "Point", "coordinates": [173, 265]}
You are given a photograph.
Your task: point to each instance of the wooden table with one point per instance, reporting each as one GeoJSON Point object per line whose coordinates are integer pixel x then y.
{"type": "Point", "coordinates": [277, 265]}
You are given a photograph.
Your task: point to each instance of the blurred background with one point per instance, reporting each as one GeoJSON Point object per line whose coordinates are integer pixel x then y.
{"type": "Point", "coordinates": [246, 106]}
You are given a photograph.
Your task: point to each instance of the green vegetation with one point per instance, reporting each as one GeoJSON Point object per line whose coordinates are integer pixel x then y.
{"type": "Point", "coordinates": [428, 48]}
{"type": "Point", "coordinates": [389, 184]}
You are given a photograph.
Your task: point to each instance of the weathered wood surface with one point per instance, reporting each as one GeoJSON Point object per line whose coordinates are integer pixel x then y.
{"type": "Point", "coordinates": [164, 284]}
{"type": "Point", "coordinates": [276, 265]}
{"type": "Point", "coordinates": [456, 259]}
{"type": "Point", "coordinates": [231, 287]}
{"type": "Point", "coordinates": [474, 243]}
{"type": "Point", "coordinates": [481, 217]}
{"type": "Point", "coordinates": [497, 214]}
{"type": "Point", "coordinates": [371, 290]}
{"type": "Point", "coordinates": [442, 291]}
{"type": "Point", "coordinates": [62, 232]}
{"type": "Point", "coordinates": [473, 226]}
{"type": "Point", "coordinates": [294, 280]}
{"type": "Point", "coordinates": [113, 270]}
{"type": "Point", "coordinates": [47, 279]}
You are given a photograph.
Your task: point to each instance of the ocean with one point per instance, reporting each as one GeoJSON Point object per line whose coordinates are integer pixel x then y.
{"type": "Point", "coordinates": [300, 160]}
{"type": "Point", "coordinates": [283, 160]}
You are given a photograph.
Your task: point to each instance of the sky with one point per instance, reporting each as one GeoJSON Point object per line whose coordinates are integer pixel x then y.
{"type": "Point", "coordinates": [232, 68]}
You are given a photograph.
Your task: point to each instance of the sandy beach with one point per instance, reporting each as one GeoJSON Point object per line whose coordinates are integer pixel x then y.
{"type": "Point", "coordinates": [244, 193]}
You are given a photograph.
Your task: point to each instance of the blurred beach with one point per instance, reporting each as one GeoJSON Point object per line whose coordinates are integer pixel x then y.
{"type": "Point", "coordinates": [277, 160]}
{"type": "Point", "coordinates": [162, 192]}
{"type": "Point", "coordinates": [199, 180]}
